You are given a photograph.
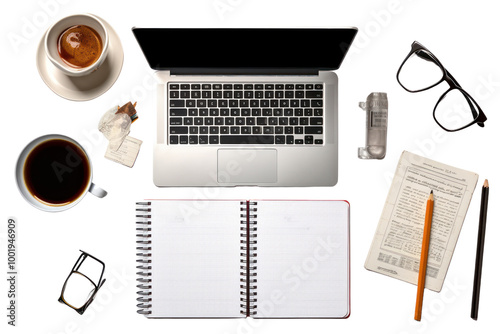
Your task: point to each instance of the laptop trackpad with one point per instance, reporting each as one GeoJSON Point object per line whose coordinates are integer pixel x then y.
{"type": "Point", "coordinates": [246, 166]}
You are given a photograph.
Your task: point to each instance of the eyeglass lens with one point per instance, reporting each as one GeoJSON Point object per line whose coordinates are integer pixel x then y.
{"type": "Point", "coordinates": [420, 71]}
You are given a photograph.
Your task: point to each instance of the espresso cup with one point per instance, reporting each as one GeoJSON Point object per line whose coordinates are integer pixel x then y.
{"type": "Point", "coordinates": [52, 37]}
{"type": "Point", "coordinates": [54, 173]}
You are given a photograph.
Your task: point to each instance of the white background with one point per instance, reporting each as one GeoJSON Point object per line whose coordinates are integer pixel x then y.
{"type": "Point", "coordinates": [462, 34]}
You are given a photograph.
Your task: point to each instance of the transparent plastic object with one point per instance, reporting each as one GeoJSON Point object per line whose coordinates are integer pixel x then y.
{"type": "Point", "coordinates": [376, 108]}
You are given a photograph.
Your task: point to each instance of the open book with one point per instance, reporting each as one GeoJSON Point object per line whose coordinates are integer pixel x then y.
{"type": "Point", "coordinates": [232, 258]}
{"type": "Point", "coordinates": [395, 250]}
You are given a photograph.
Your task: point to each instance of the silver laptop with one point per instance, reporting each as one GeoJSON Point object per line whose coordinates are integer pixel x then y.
{"type": "Point", "coordinates": [246, 107]}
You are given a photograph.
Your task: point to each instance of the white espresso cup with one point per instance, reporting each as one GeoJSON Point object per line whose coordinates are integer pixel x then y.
{"type": "Point", "coordinates": [52, 36]}
{"type": "Point", "coordinates": [54, 173]}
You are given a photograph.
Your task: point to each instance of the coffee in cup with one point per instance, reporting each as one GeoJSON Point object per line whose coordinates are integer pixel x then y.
{"type": "Point", "coordinates": [77, 45]}
{"type": "Point", "coordinates": [54, 173]}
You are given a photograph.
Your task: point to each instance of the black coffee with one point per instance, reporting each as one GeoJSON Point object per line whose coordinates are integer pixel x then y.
{"type": "Point", "coordinates": [56, 172]}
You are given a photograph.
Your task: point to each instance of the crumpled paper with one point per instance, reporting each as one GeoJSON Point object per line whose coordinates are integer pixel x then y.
{"type": "Point", "coordinates": [115, 127]}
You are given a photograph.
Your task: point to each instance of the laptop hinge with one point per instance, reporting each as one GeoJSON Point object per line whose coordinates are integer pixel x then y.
{"type": "Point", "coordinates": [244, 71]}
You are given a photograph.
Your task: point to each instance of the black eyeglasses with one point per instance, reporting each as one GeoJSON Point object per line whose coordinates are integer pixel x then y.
{"type": "Point", "coordinates": [455, 109]}
{"type": "Point", "coordinates": [79, 289]}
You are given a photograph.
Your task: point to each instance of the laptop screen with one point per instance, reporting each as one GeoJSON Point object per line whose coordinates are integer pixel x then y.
{"type": "Point", "coordinates": [248, 49]}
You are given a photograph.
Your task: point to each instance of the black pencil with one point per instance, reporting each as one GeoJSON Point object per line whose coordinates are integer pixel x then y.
{"type": "Point", "coordinates": [480, 250]}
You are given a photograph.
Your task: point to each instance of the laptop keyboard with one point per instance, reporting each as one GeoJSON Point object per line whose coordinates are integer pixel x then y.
{"type": "Point", "coordinates": [236, 113]}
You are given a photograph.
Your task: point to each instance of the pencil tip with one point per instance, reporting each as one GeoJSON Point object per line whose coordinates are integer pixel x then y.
{"type": "Point", "coordinates": [486, 184]}
{"type": "Point", "coordinates": [432, 191]}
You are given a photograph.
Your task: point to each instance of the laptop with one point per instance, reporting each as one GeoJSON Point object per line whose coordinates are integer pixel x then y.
{"type": "Point", "coordinates": [246, 107]}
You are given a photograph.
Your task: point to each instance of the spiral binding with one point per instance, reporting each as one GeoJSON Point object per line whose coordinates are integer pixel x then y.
{"type": "Point", "coordinates": [143, 234]}
{"type": "Point", "coordinates": [248, 258]}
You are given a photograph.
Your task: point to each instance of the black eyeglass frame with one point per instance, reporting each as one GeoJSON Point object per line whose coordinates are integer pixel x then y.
{"type": "Point", "coordinates": [97, 286]}
{"type": "Point", "coordinates": [479, 116]}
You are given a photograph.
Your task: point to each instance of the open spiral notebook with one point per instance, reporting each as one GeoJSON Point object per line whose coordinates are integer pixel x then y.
{"type": "Point", "coordinates": [232, 258]}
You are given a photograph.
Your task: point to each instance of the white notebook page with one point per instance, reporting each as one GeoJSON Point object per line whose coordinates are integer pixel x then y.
{"type": "Point", "coordinates": [195, 258]}
{"type": "Point", "coordinates": [303, 259]}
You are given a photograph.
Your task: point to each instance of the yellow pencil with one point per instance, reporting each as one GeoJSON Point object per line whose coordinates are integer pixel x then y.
{"type": "Point", "coordinates": [423, 256]}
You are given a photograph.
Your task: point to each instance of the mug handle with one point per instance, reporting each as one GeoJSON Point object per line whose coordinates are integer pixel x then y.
{"type": "Point", "coordinates": [96, 191]}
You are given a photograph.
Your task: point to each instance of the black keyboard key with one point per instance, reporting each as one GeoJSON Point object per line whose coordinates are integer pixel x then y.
{"type": "Point", "coordinates": [198, 121]}
{"type": "Point", "coordinates": [238, 86]}
{"type": "Point", "coordinates": [278, 130]}
{"type": "Point", "coordinates": [256, 130]}
{"type": "Point", "coordinates": [314, 94]}
{"type": "Point", "coordinates": [203, 140]}
{"type": "Point", "coordinates": [174, 86]}
{"type": "Point", "coordinates": [184, 86]}
{"type": "Point", "coordinates": [240, 121]}
{"type": "Point", "coordinates": [193, 140]}
{"type": "Point", "coordinates": [318, 141]}
{"type": "Point", "coordinates": [299, 95]}
{"type": "Point", "coordinates": [316, 103]}
{"type": "Point", "coordinates": [224, 112]}
{"type": "Point", "coordinates": [256, 112]}
{"type": "Point", "coordinates": [214, 140]}
{"type": "Point", "coordinates": [294, 121]}
{"type": "Point", "coordinates": [298, 130]}
{"type": "Point", "coordinates": [238, 94]}
{"type": "Point", "coordinates": [196, 86]}
{"type": "Point", "coordinates": [174, 140]}
{"type": "Point", "coordinates": [289, 86]}
{"type": "Point", "coordinates": [219, 121]}
{"type": "Point", "coordinates": [250, 139]}
{"type": "Point", "coordinates": [272, 121]}
{"type": "Point", "coordinates": [318, 112]}
{"type": "Point", "coordinates": [228, 94]}
{"type": "Point", "coordinates": [268, 130]}
{"type": "Point", "coordinates": [217, 86]}
{"type": "Point", "coordinates": [250, 121]}
{"type": "Point", "coordinates": [304, 121]}
{"type": "Point", "coordinates": [308, 140]}
{"type": "Point", "coordinates": [318, 86]}
{"type": "Point", "coordinates": [283, 121]}
{"type": "Point", "coordinates": [313, 130]}
{"type": "Point", "coordinates": [204, 130]}
{"type": "Point", "coordinates": [229, 121]}
{"type": "Point", "coordinates": [193, 130]}
{"type": "Point", "coordinates": [174, 94]}
{"type": "Point", "coordinates": [227, 86]}
{"type": "Point", "coordinates": [188, 120]}
{"type": "Point", "coordinates": [206, 86]}
{"type": "Point", "coordinates": [280, 86]}
{"type": "Point", "coordinates": [280, 140]}
{"type": "Point", "coordinates": [185, 94]}
{"type": "Point", "coordinates": [299, 86]}
{"type": "Point", "coordinates": [289, 140]}
{"type": "Point", "coordinates": [245, 112]}
{"type": "Point", "coordinates": [261, 121]}
{"type": "Point", "coordinates": [259, 86]}
{"type": "Point", "coordinates": [212, 103]}
{"type": "Point", "coordinates": [299, 141]}
{"type": "Point", "coordinates": [204, 112]}
{"type": "Point", "coordinates": [235, 112]}
{"type": "Point", "coordinates": [269, 86]}
{"type": "Point", "coordinates": [184, 140]}
{"type": "Point", "coordinates": [206, 94]}
{"type": "Point", "coordinates": [224, 130]}
{"type": "Point", "coordinates": [289, 130]}
{"type": "Point", "coordinates": [217, 94]}
{"type": "Point", "coordinates": [209, 121]}
{"type": "Point", "coordinates": [175, 121]}
{"type": "Point", "coordinates": [305, 103]}
{"type": "Point", "coordinates": [316, 121]}
{"type": "Point", "coordinates": [214, 130]}
{"type": "Point", "coordinates": [196, 94]}
{"type": "Point", "coordinates": [193, 112]}
{"type": "Point", "coordinates": [178, 112]}
{"type": "Point", "coordinates": [190, 103]}
{"type": "Point", "coordinates": [179, 130]}
{"type": "Point", "coordinates": [214, 112]}
{"type": "Point", "coordinates": [308, 112]}
{"type": "Point", "coordinates": [235, 130]}
{"type": "Point", "coordinates": [248, 86]}
{"type": "Point", "coordinates": [246, 130]}
{"type": "Point", "coordinates": [267, 112]}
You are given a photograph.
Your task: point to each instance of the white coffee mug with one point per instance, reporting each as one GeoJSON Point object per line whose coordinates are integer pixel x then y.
{"type": "Point", "coordinates": [43, 205]}
{"type": "Point", "coordinates": [53, 33]}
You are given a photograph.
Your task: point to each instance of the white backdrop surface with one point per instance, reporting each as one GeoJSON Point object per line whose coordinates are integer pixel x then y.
{"type": "Point", "coordinates": [462, 34]}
